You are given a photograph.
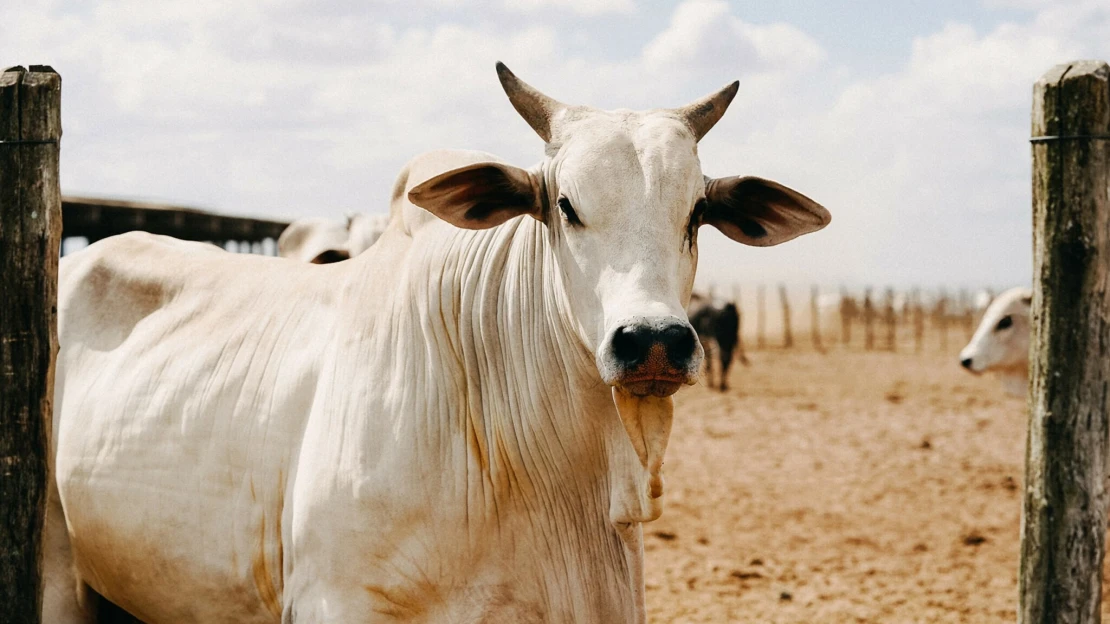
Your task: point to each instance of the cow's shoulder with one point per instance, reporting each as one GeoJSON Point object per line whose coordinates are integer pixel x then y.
{"type": "Point", "coordinates": [133, 269]}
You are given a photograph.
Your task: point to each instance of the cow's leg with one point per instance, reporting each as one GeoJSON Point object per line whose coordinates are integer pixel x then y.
{"type": "Point", "coordinates": [726, 362]}
{"type": "Point", "coordinates": [65, 599]}
{"type": "Point", "coordinates": [707, 348]}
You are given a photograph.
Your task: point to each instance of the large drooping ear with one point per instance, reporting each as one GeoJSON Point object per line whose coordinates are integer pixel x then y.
{"type": "Point", "coordinates": [480, 195]}
{"type": "Point", "coordinates": [760, 212]}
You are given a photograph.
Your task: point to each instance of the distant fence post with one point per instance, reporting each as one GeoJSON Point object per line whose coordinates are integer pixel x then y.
{"type": "Point", "coordinates": [918, 321]}
{"type": "Point", "coordinates": [815, 320]}
{"type": "Point", "coordinates": [787, 333]}
{"type": "Point", "coordinates": [847, 315]}
{"type": "Point", "coordinates": [868, 321]}
{"type": "Point", "coordinates": [760, 317]}
{"type": "Point", "coordinates": [740, 354]}
{"type": "Point", "coordinates": [30, 237]}
{"type": "Point", "coordinates": [940, 319]}
{"type": "Point", "coordinates": [1064, 513]}
{"type": "Point", "coordinates": [890, 319]}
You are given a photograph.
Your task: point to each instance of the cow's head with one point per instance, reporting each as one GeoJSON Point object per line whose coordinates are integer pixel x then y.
{"type": "Point", "coordinates": [622, 195]}
{"type": "Point", "coordinates": [1001, 342]}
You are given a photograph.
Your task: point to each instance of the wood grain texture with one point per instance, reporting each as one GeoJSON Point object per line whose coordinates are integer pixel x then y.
{"type": "Point", "coordinates": [30, 231]}
{"type": "Point", "coordinates": [1064, 513]}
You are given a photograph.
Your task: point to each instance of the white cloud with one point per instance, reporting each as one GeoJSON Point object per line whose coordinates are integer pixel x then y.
{"type": "Point", "coordinates": [582, 7]}
{"type": "Point", "coordinates": [704, 34]}
{"type": "Point", "coordinates": [277, 108]}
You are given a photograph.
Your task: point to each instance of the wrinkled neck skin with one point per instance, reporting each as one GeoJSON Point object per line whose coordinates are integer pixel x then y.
{"type": "Point", "coordinates": [504, 380]}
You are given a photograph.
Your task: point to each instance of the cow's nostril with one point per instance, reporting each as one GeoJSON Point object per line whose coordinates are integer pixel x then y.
{"type": "Point", "coordinates": [630, 344]}
{"type": "Point", "coordinates": [680, 341]}
{"type": "Point", "coordinates": [966, 363]}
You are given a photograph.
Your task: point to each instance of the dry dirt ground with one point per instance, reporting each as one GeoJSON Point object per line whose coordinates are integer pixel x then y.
{"type": "Point", "coordinates": [846, 487]}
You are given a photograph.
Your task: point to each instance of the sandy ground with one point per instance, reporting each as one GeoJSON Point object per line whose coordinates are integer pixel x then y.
{"type": "Point", "coordinates": [846, 487]}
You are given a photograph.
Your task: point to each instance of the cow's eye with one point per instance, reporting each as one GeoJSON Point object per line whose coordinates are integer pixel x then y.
{"type": "Point", "coordinates": [568, 211]}
{"type": "Point", "coordinates": [1006, 322]}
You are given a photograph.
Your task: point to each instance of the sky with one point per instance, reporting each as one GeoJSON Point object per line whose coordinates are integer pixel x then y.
{"type": "Point", "coordinates": [908, 120]}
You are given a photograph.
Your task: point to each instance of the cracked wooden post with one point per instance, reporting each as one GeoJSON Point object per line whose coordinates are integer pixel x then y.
{"type": "Point", "coordinates": [1064, 513]}
{"type": "Point", "coordinates": [30, 235]}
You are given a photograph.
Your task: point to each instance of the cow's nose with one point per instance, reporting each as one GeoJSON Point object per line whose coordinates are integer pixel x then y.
{"type": "Point", "coordinates": [966, 363]}
{"type": "Point", "coordinates": [632, 344]}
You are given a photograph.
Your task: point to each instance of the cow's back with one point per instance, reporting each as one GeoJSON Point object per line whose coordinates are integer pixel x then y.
{"type": "Point", "coordinates": [184, 377]}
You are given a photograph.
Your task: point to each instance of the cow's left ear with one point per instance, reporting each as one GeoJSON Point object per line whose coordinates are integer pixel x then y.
{"type": "Point", "coordinates": [479, 196]}
{"type": "Point", "coordinates": [760, 212]}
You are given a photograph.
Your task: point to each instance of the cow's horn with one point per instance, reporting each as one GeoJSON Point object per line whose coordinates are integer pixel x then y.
{"type": "Point", "coordinates": [703, 114]}
{"type": "Point", "coordinates": [536, 108]}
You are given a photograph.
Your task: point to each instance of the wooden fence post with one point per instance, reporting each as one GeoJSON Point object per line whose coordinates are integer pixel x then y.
{"type": "Point", "coordinates": [891, 320]}
{"type": "Point", "coordinates": [918, 321]}
{"type": "Point", "coordinates": [868, 321]}
{"type": "Point", "coordinates": [847, 316]}
{"type": "Point", "coordinates": [787, 333]}
{"type": "Point", "coordinates": [815, 320]}
{"type": "Point", "coordinates": [760, 317]}
{"type": "Point", "coordinates": [740, 353]}
{"type": "Point", "coordinates": [1064, 514]}
{"type": "Point", "coordinates": [30, 238]}
{"type": "Point", "coordinates": [940, 319]}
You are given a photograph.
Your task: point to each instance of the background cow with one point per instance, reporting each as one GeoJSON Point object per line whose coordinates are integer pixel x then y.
{"type": "Point", "coordinates": [1001, 342]}
{"type": "Point", "coordinates": [315, 240]}
{"type": "Point", "coordinates": [718, 326]}
{"type": "Point", "coordinates": [320, 240]}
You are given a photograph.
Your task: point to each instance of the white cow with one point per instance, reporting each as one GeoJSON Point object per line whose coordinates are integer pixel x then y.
{"type": "Point", "coordinates": [316, 240]}
{"type": "Point", "coordinates": [1001, 342]}
{"type": "Point", "coordinates": [465, 423]}
{"type": "Point", "coordinates": [364, 230]}
{"type": "Point", "coordinates": [321, 241]}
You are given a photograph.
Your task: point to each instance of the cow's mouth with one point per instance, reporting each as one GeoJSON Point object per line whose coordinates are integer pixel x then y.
{"type": "Point", "coordinates": [652, 385]}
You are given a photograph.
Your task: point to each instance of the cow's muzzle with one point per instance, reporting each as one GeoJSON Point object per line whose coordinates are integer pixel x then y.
{"type": "Point", "coordinates": [651, 357]}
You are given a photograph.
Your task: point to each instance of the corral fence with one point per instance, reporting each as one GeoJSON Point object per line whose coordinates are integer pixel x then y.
{"type": "Point", "coordinates": [824, 319]}
{"type": "Point", "coordinates": [92, 219]}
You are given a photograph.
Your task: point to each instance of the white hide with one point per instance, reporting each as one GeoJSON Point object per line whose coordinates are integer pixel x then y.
{"type": "Point", "coordinates": [314, 239]}
{"type": "Point", "coordinates": [434, 431]}
{"type": "Point", "coordinates": [1001, 342]}
{"type": "Point", "coordinates": [364, 230]}
{"type": "Point", "coordinates": [321, 240]}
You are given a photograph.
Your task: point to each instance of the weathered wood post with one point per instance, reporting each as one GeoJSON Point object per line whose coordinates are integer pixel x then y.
{"type": "Point", "coordinates": [787, 333]}
{"type": "Point", "coordinates": [918, 321]}
{"type": "Point", "coordinates": [1064, 515]}
{"type": "Point", "coordinates": [868, 321]}
{"type": "Point", "coordinates": [760, 317]}
{"type": "Point", "coordinates": [740, 354]}
{"type": "Point", "coordinates": [847, 315]}
{"type": "Point", "coordinates": [891, 320]}
{"type": "Point", "coordinates": [30, 236]}
{"type": "Point", "coordinates": [815, 320]}
{"type": "Point", "coordinates": [940, 319]}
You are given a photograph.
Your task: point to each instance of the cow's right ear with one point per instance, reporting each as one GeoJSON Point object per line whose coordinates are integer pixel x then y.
{"type": "Point", "coordinates": [479, 196]}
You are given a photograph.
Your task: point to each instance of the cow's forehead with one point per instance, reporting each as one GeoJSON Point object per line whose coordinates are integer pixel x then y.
{"type": "Point", "coordinates": [1009, 302]}
{"type": "Point", "coordinates": [651, 152]}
